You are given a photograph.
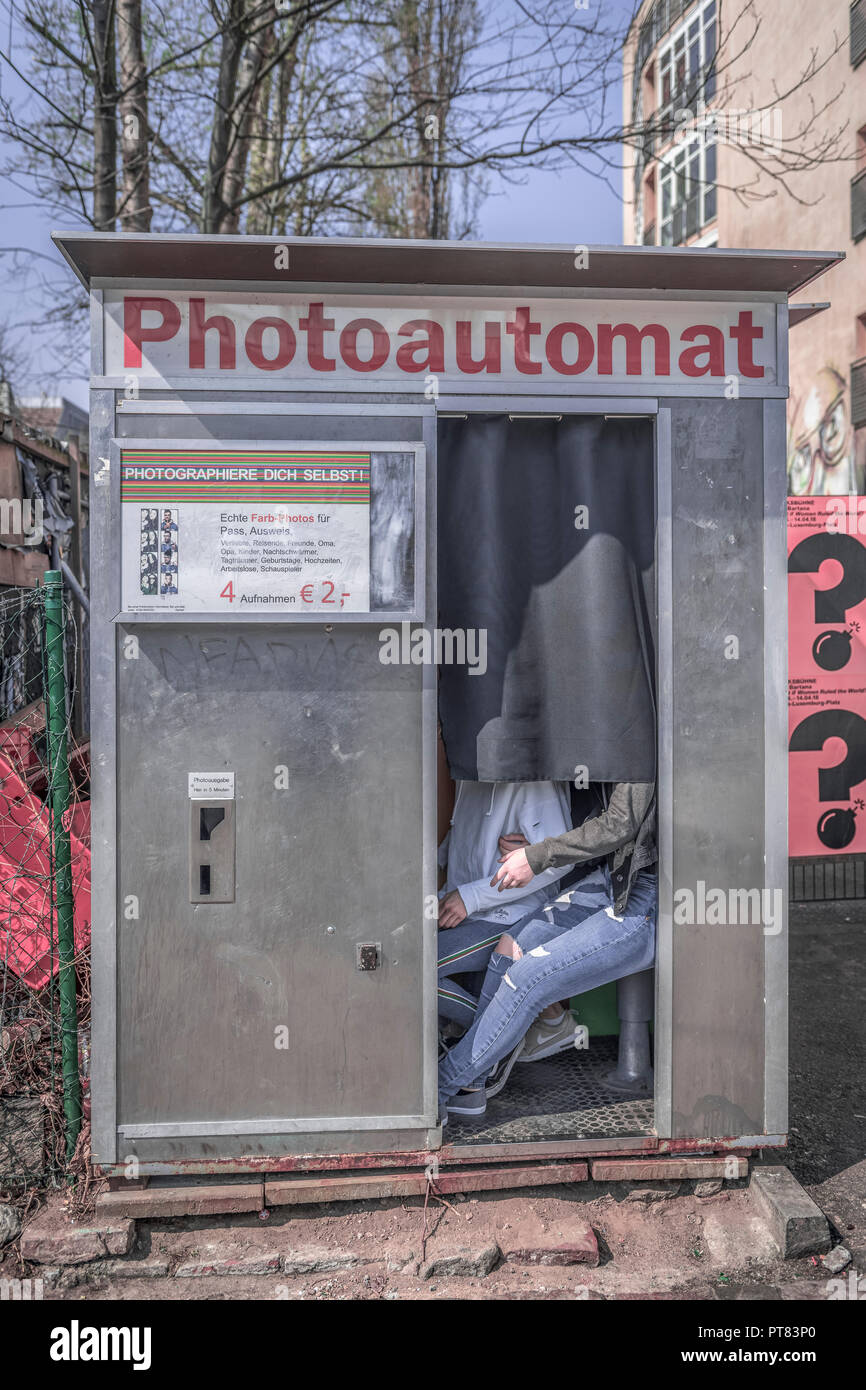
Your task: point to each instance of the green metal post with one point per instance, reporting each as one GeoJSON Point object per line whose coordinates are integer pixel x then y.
{"type": "Point", "coordinates": [58, 769]}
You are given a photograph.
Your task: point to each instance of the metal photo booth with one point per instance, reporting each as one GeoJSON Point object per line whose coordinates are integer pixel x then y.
{"type": "Point", "coordinates": [264, 786]}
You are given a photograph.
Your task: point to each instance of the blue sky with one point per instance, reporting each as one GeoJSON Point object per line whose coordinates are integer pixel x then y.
{"type": "Point", "coordinates": [575, 207]}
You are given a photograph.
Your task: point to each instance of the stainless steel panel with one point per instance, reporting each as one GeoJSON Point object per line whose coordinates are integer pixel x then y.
{"type": "Point", "coordinates": [152, 403]}
{"type": "Point", "coordinates": [240, 1153]}
{"type": "Point", "coordinates": [718, 768]}
{"type": "Point", "coordinates": [776, 763]}
{"type": "Point", "coordinates": [565, 405]}
{"type": "Point", "coordinates": [341, 429]}
{"type": "Point", "coordinates": [394, 389]}
{"type": "Point", "coordinates": [255, 1009]}
{"type": "Point", "coordinates": [782, 355]}
{"type": "Point", "coordinates": [105, 561]}
{"type": "Point", "coordinates": [429, 796]}
{"type": "Point", "coordinates": [662, 1035]}
{"type": "Point", "coordinates": [203, 989]}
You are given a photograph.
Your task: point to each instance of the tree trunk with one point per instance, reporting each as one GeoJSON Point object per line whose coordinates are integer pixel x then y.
{"type": "Point", "coordinates": [247, 124]}
{"type": "Point", "coordinates": [268, 130]}
{"type": "Point", "coordinates": [135, 211]}
{"type": "Point", "coordinates": [214, 208]}
{"type": "Point", "coordinates": [104, 118]}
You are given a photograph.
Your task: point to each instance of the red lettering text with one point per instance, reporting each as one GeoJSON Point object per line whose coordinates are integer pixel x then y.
{"type": "Point", "coordinates": [492, 359]}
{"type": "Point", "coordinates": [745, 335]}
{"type": "Point", "coordinates": [433, 346]}
{"type": "Point", "coordinates": [315, 326]}
{"type": "Point", "coordinates": [134, 333]}
{"type": "Point", "coordinates": [523, 329]}
{"type": "Point", "coordinates": [199, 325]}
{"type": "Point", "coordinates": [255, 351]}
{"type": "Point", "coordinates": [349, 345]}
{"type": "Point", "coordinates": [634, 340]}
{"type": "Point", "coordinates": [585, 348]}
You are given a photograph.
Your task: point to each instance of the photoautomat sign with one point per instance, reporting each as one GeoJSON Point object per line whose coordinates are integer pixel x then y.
{"type": "Point", "coordinates": [246, 531]}
{"type": "Point", "coordinates": [181, 336]}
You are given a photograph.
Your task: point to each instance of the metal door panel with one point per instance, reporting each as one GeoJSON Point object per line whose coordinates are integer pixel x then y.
{"type": "Point", "coordinates": [329, 861]}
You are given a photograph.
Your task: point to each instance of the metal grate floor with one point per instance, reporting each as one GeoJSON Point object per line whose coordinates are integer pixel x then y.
{"type": "Point", "coordinates": [563, 1097]}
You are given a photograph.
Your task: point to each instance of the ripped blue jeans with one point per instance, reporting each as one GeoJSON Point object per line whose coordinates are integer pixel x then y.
{"type": "Point", "coordinates": [575, 945]}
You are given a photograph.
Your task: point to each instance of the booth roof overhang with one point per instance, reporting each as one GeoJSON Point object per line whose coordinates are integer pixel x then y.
{"type": "Point", "coordinates": [483, 266]}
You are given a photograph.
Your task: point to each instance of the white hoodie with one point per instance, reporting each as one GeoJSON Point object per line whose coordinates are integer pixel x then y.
{"type": "Point", "coordinates": [482, 812]}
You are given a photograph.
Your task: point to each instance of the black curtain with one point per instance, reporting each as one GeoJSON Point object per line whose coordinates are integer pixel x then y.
{"type": "Point", "coordinates": [569, 613]}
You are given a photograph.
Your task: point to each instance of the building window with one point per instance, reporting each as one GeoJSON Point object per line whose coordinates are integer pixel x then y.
{"type": "Point", "coordinates": [858, 377]}
{"type": "Point", "coordinates": [858, 394]}
{"type": "Point", "coordinates": [858, 32]}
{"type": "Point", "coordinates": [648, 220]}
{"type": "Point", "coordinates": [858, 206]}
{"type": "Point", "coordinates": [660, 19]}
{"type": "Point", "coordinates": [686, 65]}
{"type": "Point", "coordinates": [687, 182]}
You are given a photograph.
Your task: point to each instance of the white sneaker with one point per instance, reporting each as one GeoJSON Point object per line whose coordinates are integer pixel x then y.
{"type": "Point", "coordinates": [542, 1040]}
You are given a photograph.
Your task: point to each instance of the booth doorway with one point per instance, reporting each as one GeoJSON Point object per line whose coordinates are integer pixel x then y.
{"type": "Point", "coordinates": [546, 560]}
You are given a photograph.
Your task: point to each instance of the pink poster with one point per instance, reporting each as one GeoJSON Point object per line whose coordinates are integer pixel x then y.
{"type": "Point", "coordinates": [827, 675]}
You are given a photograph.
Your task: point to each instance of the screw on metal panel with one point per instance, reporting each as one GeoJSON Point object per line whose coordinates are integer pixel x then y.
{"type": "Point", "coordinates": [330, 930]}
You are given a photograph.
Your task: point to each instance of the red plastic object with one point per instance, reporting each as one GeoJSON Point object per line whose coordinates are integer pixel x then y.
{"type": "Point", "coordinates": [17, 746]}
{"type": "Point", "coordinates": [27, 926]}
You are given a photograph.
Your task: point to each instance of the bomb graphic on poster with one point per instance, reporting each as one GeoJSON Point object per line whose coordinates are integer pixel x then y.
{"type": "Point", "coordinates": [836, 828]}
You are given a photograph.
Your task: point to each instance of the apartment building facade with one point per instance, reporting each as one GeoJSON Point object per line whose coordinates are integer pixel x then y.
{"type": "Point", "coordinates": [753, 121]}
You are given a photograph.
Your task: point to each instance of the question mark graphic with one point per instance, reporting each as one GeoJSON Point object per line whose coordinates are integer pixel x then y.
{"type": "Point", "coordinates": [832, 650]}
{"type": "Point", "coordinates": [835, 828]}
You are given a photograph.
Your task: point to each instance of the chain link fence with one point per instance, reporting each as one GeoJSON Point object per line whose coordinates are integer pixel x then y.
{"type": "Point", "coordinates": [44, 894]}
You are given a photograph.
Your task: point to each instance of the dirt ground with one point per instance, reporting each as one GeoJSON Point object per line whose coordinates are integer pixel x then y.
{"type": "Point", "coordinates": [656, 1241]}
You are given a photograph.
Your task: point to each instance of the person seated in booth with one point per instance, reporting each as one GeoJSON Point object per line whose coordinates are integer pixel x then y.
{"type": "Point", "coordinates": [597, 931]}
{"type": "Point", "coordinates": [489, 817]}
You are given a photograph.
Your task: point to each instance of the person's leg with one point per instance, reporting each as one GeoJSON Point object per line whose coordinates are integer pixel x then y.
{"type": "Point", "coordinates": [466, 947]}
{"type": "Point", "coordinates": [595, 951]}
{"type": "Point", "coordinates": [455, 1004]}
{"type": "Point", "coordinates": [534, 930]}
{"type": "Point", "coordinates": [537, 928]}
{"type": "Point", "coordinates": [590, 895]}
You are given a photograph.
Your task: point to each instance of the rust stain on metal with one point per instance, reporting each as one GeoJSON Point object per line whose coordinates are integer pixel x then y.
{"type": "Point", "coordinates": [704, 1146]}
{"type": "Point", "coordinates": [449, 1155]}
{"type": "Point", "coordinates": [191, 1199]}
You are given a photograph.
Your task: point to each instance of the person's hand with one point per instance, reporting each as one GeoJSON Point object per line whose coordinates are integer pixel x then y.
{"type": "Point", "coordinates": [515, 871]}
{"type": "Point", "coordinates": [452, 910]}
{"type": "Point", "coordinates": [513, 840]}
